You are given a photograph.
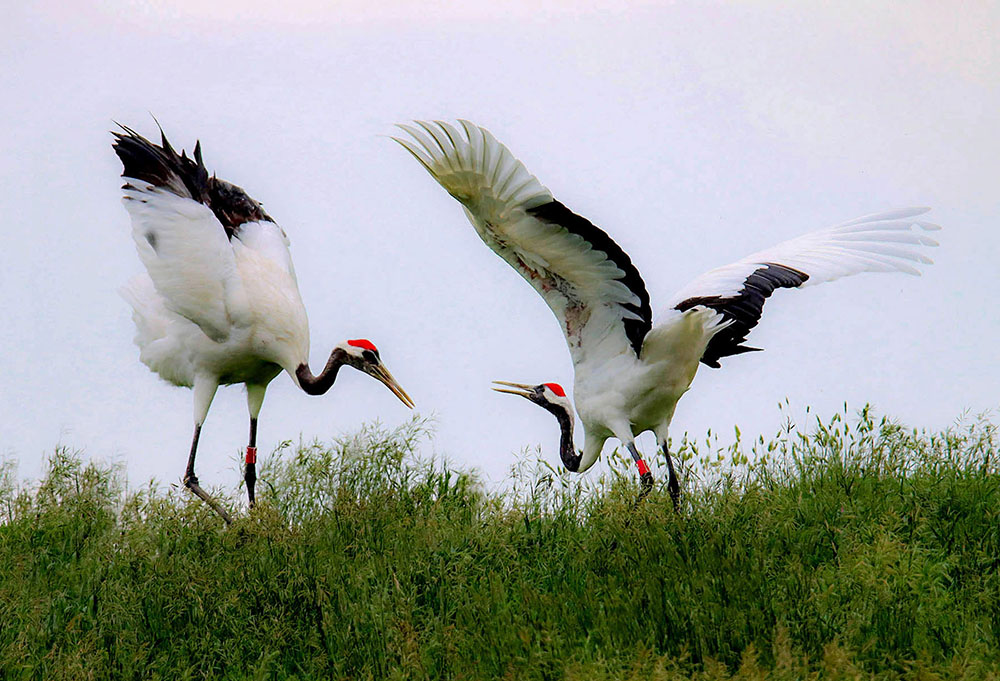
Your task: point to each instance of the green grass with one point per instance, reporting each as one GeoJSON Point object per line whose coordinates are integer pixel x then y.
{"type": "Point", "coordinates": [853, 550]}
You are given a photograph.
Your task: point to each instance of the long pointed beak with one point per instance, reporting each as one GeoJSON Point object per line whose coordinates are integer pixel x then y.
{"type": "Point", "coordinates": [382, 374]}
{"type": "Point", "coordinates": [522, 389]}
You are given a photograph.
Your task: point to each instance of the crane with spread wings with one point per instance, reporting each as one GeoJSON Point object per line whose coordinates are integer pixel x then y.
{"type": "Point", "coordinates": [629, 371]}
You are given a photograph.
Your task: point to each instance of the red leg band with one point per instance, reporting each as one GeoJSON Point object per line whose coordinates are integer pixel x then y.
{"type": "Point", "coordinates": [251, 455]}
{"type": "Point", "coordinates": [643, 468]}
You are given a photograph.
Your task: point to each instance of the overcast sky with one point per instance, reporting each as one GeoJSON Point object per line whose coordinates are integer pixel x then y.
{"type": "Point", "coordinates": [694, 133]}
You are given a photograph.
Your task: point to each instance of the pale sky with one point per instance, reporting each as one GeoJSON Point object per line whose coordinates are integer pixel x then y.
{"type": "Point", "coordinates": [694, 133]}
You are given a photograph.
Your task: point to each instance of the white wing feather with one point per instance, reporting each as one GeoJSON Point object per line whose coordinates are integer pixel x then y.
{"type": "Point", "coordinates": [163, 337]}
{"type": "Point", "coordinates": [883, 242]}
{"type": "Point", "coordinates": [580, 282]}
{"type": "Point", "coordinates": [269, 241]}
{"type": "Point", "coordinates": [188, 257]}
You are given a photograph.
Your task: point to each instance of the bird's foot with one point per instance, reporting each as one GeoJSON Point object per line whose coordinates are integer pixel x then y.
{"type": "Point", "coordinates": [675, 493]}
{"type": "Point", "coordinates": [646, 486]}
{"type": "Point", "coordinates": [675, 496]}
{"type": "Point", "coordinates": [191, 482]}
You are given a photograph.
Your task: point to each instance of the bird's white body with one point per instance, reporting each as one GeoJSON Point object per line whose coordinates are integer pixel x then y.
{"type": "Point", "coordinates": [219, 303]}
{"type": "Point", "coordinates": [630, 372]}
{"type": "Point", "coordinates": [621, 395]}
{"type": "Point", "coordinates": [212, 311]}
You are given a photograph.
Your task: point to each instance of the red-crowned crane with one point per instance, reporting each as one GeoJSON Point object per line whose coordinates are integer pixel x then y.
{"type": "Point", "coordinates": [219, 303]}
{"type": "Point", "coordinates": [630, 373]}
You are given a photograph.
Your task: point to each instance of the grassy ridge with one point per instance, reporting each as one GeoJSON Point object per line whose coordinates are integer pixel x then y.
{"type": "Point", "coordinates": [854, 551]}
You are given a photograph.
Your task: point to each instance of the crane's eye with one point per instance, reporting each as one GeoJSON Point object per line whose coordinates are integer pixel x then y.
{"type": "Point", "coordinates": [370, 356]}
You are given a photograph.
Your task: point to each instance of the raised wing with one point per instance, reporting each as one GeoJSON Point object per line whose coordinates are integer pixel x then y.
{"type": "Point", "coordinates": [587, 280]}
{"type": "Point", "coordinates": [161, 166]}
{"type": "Point", "coordinates": [884, 242]}
{"type": "Point", "coordinates": [179, 238]}
{"type": "Point", "coordinates": [267, 240]}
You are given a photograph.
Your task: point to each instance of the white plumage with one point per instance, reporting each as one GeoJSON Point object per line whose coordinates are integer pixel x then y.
{"type": "Point", "coordinates": [874, 243]}
{"type": "Point", "coordinates": [629, 374]}
{"type": "Point", "coordinates": [219, 303]}
{"type": "Point", "coordinates": [209, 307]}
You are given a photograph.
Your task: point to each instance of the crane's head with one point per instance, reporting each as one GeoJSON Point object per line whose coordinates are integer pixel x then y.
{"type": "Point", "coordinates": [549, 396]}
{"type": "Point", "coordinates": [363, 356]}
{"type": "Point", "coordinates": [552, 398]}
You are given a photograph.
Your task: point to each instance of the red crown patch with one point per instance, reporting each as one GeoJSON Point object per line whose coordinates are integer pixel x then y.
{"type": "Point", "coordinates": [556, 388]}
{"type": "Point", "coordinates": [363, 343]}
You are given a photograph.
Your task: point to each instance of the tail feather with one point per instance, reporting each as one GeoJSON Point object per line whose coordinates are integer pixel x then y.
{"type": "Point", "coordinates": [161, 166]}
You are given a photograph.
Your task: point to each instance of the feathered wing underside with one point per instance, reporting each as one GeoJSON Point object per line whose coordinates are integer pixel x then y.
{"type": "Point", "coordinates": [267, 240]}
{"type": "Point", "coordinates": [590, 284]}
{"type": "Point", "coordinates": [884, 242]}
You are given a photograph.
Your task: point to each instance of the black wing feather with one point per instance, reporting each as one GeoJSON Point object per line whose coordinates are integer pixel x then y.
{"type": "Point", "coordinates": [743, 309]}
{"type": "Point", "coordinates": [555, 212]}
{"type": "Point", "coordinates": [161, 166]}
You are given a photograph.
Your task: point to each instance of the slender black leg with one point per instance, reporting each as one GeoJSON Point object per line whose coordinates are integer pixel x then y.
{"type": "Point", "coordinates": [250, 475]}
{"type": "Point", "coordinates": [191, 480]}
{"type": "Point", "coordinates": [645, 476]}
{"type": "Point", "coordinates": [672, 485]}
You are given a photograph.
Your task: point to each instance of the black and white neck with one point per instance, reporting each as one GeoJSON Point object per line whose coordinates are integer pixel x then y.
{"type": "Point", "coordinates": [318, 385]}
{"type": "Point", "coordinates": [552, 398]}
{"type": "Point", "coordinates": [567, 450]}
{"type": "Point", "coordinates": [360, 354]}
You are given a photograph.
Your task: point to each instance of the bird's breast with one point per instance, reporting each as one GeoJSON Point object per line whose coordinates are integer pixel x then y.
{"type": "Point", "coordinates": [657, 392]}
{"type": "Point", "coordinates": [631, 391]}
{"type": "Point", "coordinates": [252, 370]}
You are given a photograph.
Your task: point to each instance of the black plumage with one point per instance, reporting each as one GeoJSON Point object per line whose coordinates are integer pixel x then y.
{"type": "Point", "coordinates": [556, 213]}
{"type": "Point", "coordinates": [161, 166]}
{"type": "Point", "coordinates": [743, 309]}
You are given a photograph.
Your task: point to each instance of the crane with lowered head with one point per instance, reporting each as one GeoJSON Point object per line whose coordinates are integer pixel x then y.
{"type": "Point", "coordinates": [630, 372]}
{"type": "Point", "coordinates": [219, 302]}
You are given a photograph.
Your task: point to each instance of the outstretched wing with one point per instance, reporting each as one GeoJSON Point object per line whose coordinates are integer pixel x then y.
{"type": "Point", "coordinates": [180, 240]}
{"type": "Point", "coordinates": [885, 242]}
{"type": "Point", "coordinates": [587, 280]}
